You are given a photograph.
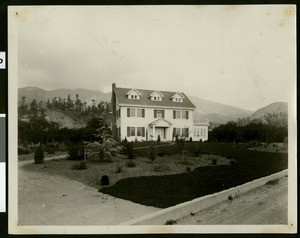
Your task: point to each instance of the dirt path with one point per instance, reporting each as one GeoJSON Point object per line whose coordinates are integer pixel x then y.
{"type": "Point", "coordinates": [53, 200]}
{"type": "Point", "coordinates": [265, 205]}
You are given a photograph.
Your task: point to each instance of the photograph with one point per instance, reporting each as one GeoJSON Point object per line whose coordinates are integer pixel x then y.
{"type": "Point", "coordinates": [152, 119]}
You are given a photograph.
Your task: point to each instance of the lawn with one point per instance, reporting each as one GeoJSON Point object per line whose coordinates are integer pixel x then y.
{"type": "Point", "coordinates": [168, 190]}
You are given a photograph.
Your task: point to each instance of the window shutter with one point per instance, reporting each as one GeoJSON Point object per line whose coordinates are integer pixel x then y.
{"type": "Point", "coordinates": [187, 114]}
{"type": "Point", "coordinates": [134, 131]}
{"type": "Point", "coordinates": [163, 113]}
{"type": "Point", "coordinates": [174, 132]}
{"type": "Point", "coordinates": [128, 131]}
{"type": "Point", "coordinates": [128, 112]}
{"type": "Point", "coordinates": [143, 112]}
{"type": "Point", "coordinates": [154, 113]}
{"type": "Point", "coordinates": [174, 115]}
{"type": "Point", "coordinates": [143, 131]}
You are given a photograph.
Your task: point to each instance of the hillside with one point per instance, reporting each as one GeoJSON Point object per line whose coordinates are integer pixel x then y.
{"type": "Point", "coordinates": [276, 107]}
{"type": "Point", "coordinates": [40, 94]}
{"type": "Point", "coordinates": [214, 112]}
{"type": "Point", "coordinates": [217, 112]}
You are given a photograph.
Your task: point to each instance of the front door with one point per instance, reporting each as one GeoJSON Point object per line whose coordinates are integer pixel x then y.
{"type": "Point", "coordinates": [161, 132]}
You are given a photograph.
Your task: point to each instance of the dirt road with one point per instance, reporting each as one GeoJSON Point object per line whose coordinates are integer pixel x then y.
{"type": "Point", "coordinates": [53, 200]}
{"type": "Point", "coordinates": [263, 206]}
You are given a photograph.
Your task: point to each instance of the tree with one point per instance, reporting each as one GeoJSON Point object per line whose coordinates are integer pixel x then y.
{"type": "Point", "coordinates": [180, 145]}
{"type": "Point", "coordinates": [23, 106]}
{"type": "Point", "coordinates": [105, 147]}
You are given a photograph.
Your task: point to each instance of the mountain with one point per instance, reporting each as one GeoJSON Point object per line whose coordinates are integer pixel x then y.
{"type": "Point", "coordinates": [85, 95]}
{"type": "Point", "coordinates": [217, 113]}
{"type": "Point", "coordinates": [276, 107]}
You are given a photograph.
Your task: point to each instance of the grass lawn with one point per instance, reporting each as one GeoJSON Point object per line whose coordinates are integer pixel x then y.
{"type": "Point", "coordinates": [171, 164]}
{"type": "Point", "coordinates": [168, 190]}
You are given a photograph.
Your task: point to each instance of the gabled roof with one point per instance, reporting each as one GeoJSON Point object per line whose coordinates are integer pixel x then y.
{"type": "Point", "coordinates": [178, 93]}
{"type": "Point", "coordinates": [158, 92]}
{"type": "Point", "coordinates": [160, 121]}
{"type": "Point", "coordinates": [133, 90]}
{"type": "Point", "coordinates": [146, 101]}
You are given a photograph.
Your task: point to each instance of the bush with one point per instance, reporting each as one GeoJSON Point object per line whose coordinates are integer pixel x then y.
{"type": "Point", "coordinates": [152, 153]}
{"type": "Point", "coordinates": [214, 162]}
{"type": "Point", "coordinates": [272, 182]}
{"type": "Point", "coordinates": [50, 150]}
{"type": "Point", "coordinates": [75, 152]}
{"type": "Point", "coordinates": [188, 169]}
{"type": "Point", "coordinates": [118, 169]}
{"type": "Point", "coordinates": [170, 222]}
{"type": "Point", "coordinates": [161, 154]}
{"type": "Point", "coordinates": [39, 155]}
{"type": "Point", "coordinates": [130, 164]}
{"type": "Point", "coordinates": [191, 139]}
{"type": "Point", "coordinates": [80, 166]}
{"type": "Point", "coordinates": [23, 151]}
{"type": "Point", "coordinates": [158, 139]}
{"type": "Point", "coordinates": [104, 180]}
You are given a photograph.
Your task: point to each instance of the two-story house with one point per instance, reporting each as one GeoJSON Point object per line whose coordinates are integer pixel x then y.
{"type": "Point", "coordinates": [143, 115]}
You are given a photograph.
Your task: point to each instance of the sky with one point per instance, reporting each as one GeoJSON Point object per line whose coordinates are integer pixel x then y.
{"type": "Point", "coordinates": [236, 55]}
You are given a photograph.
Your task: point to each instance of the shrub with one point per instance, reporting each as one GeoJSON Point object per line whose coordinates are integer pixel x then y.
{"type": "Point", "coordinates": [80, 166]}
{"type": "Point", "coordinates": [158, 139]}
{"type": "Point", "coordinates": [191, 139]}
{"type": "Point", "coordinates": [130, 150]}
{"type": "Point", "coordinates": [75, 152]}
{"type": "Point", "coordinates": [214, 162]}
{"type": "Point", "coordinates": [273, 182]}
{"type": "Point", "coordinates": [161, 154]}
{"type": "Point", "coordinates": [39, 156]}
{"type": "Point", "coordinates": [130, 164]}
{"type": "Point", "coordinates": [50, 150]}
{"type": "Point", "coordinates": [118, 169]}
{"type": "Point", "coordinates": [233, 161]}
{"type": "Point", "coordinates": [170, 222]}
{"type": "Point", "coordinates": [23, 151]}
{"type": "Point", "coordinates": [152, 153]}
{"type": "Point", "coordinates": [188, 169]}
{"type": "Point", "coordinates": [104, 180]}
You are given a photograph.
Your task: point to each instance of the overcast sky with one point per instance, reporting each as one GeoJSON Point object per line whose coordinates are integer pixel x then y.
{"type": "Point", "coordinates": [237, 55]}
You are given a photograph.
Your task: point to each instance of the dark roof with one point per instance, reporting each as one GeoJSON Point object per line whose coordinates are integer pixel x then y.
{"type": "Point", "coordinates": [145, 100]}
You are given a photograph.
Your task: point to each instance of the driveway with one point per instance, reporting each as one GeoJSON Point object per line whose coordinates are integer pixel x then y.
{"type": "Point", "coordinates": [54, 200]}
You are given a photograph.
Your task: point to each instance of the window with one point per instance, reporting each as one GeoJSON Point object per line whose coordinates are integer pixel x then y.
{"type": "Point", "coordinates": [185, 114]}
{"type": "Point", "coordinates": [140, 131]}
{"type": "Point", "coordinates": [130, 112]}
{"type": "Point", "coordinates": [139, 112]}
{"type": "Point", "coordinates": [159, 113]}
{"type": "Point", "coordinates": [132, 131]}
{"type": "Point", "coordinates": [176, 114]}
{"type": "Point", "coordinates": [185, 132]}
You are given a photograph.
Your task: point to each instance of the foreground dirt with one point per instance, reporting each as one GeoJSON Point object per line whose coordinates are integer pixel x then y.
{"type": "Point", "coordinates": [263, 206]}
{"type": "Point", "coordinates": [46, 199]}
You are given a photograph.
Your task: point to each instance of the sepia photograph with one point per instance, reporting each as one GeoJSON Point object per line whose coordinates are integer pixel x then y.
{"type": "Point", "coordinates": [152, 119]}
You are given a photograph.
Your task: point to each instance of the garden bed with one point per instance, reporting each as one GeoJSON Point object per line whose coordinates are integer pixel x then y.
{"type": "Point", "coordinates": [169, 190]}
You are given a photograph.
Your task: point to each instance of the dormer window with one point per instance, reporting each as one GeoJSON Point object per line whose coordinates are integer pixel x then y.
{"type": "Point", "coordinates": [133, 94]}
{"type": "Point", "coordinates": [177, 97]}
{"type": "Point", "coordinates": [156, 96]}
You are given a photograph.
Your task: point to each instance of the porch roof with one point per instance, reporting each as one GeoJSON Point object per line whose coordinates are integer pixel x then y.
{"type": "Point", "coordinates": [161, 122]}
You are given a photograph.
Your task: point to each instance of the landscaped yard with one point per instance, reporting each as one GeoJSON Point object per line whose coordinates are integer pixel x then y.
{"type": "Point", "coordinates": [169, 180]}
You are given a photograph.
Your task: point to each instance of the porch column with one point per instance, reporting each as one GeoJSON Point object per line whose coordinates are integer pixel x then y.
{"type": "Point", "coordinates": [171, 133]}
{"type": "Point", "coordinates": [153, 132]}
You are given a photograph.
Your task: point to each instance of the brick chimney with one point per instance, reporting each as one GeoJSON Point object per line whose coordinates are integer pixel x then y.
{"type": "Point", "coordinates": [113, 111]}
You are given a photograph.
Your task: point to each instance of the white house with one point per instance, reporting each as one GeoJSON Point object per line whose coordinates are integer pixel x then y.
{"type": "Point", "coordinates": [143, 115]}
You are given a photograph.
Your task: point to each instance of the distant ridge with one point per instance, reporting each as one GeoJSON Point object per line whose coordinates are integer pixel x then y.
{"type": "Point", "coordinates": [217, 113]}
{"type": "Point", "coordinates": [275, 107]}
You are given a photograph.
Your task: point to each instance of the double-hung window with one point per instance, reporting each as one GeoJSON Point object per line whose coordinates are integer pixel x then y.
{"type": "Point", "coordinates": [176, 114]}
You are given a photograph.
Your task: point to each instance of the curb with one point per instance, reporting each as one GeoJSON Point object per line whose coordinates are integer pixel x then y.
{"type": "Point", "coordinates": [198, 204]}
